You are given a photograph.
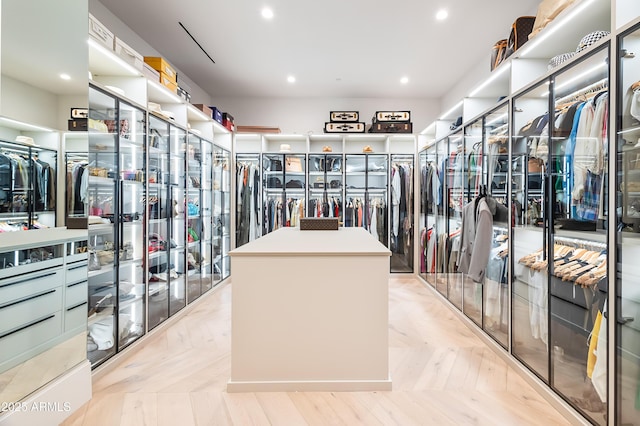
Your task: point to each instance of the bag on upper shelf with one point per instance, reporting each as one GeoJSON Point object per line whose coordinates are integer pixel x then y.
{"type": "Point", "coordinates": [498, 53]}
{"type": "Point", "coordinates": [547, 12]}
{"type": "Point", "coordinates": [520, 31]}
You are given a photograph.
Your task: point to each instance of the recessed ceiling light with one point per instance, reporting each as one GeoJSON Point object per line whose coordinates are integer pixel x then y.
{"type": "Point", "coordinates": [442, 15]}
{"type": "Point", "coordinates": [65, 76]}
{"type": "Point", "coordinates": [404, 80]}
{"type": "Point", "coordinates": [291, 79]}
{"type": "Point", "coordinates": [267, 13]}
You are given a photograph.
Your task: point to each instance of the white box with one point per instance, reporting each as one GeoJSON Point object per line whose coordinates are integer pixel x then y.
{"type": "Point", "coordinates": [128, 54]}
{"type": "Point", "coordinates": [100, 33]}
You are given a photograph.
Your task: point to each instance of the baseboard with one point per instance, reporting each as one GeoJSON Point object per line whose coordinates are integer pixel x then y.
{"type": "Point", "coordinates": [311, 386]}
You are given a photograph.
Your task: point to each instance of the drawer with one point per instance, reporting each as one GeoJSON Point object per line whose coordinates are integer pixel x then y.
{"type": "Point", "coordinates": [24, 311]}
{"type": "Point", "coordinates": [77, 272]}
{"type": "Point", "coordinates": [100, 33]}
{"type": "Point", "coordinates": [26, 285]}
{"type": "Point", "coordinates": [39, 332]}
{"type": "Point", "coordinates": [75, 317]}
{"type": "Point", "coordinates": [76, 293]}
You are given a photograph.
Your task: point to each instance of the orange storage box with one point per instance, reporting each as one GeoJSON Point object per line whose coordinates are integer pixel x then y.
{"type": "Point", "coordinates": [162, 66]}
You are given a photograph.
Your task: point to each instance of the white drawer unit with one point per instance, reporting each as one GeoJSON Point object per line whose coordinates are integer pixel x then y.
{"type": "Point", "coordinates": [75, 317]}
{"type": "Point", "coordinates": [22, 286]}
{"type": "Point", "coordinates": [17, 314]}
{"type": "Point", "coordinates": [27, 340]}
{"type": "Point", "coordinates": [76, 272]}
{"type": "Point", "coordinates": [75, 293]}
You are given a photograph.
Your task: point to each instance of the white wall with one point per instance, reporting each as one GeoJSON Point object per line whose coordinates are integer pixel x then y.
{"type": "Point", "coordinates": [304, 115]}
{"type": "Point", "coordinates": [26, 103]}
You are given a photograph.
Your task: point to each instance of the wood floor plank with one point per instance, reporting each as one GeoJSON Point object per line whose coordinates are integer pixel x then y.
{"type": "Point", "coordinates": [442, 374]}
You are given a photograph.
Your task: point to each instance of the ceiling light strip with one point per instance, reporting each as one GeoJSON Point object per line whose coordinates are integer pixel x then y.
{"type": "Point", "coordinates": [451, 111]}
{"type": "Point", "coordinates": [27, 125]}
{"type": "Point", "coordinates": [491, 79]}
{"type": "Point", "coordinates": [97, 46]}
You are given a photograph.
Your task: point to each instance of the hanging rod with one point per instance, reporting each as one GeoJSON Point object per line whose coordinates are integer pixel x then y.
{"type": "Point", "coordinates": [592, 88]}
{"type": "Point", "coordinates": [574, 242]}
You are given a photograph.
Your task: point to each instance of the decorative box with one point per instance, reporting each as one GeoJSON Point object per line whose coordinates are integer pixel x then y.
{"type": "Point", "coordinates": [128, 54]}
{"type": "Point", "coordinates": [78, 125]}
{"type": "Point", "coordinates": [344, 116]}
{"type": "Point", "coordinates": [169, 83]}
{"type": "Point", "coordinates": [344, 127]}
{"type": "Point", "coordinates": [100, 33]}
{"type": "Point", "coordinates": [227, 121]}
{"type": "Point", "coordinates": [205, 109]}
{"type": "Point", "coordinates": [384, 116]}
{"type": "Point", "coordinates": [216, 114]}
{"type": "Point", "coordinates": [184, 94]}
{"type": "Point", "coordinates": [162, 66]}
{"type": "Point", "coordinates": [319, 224]}
{"type": "Point", "coordinates": [391, 127]}
{"type": "Point", "coordinates": [150, 73]}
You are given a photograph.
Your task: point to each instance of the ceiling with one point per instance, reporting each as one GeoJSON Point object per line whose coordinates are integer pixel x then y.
{"type": "Point", "coordinates": [355, 48]}
{"type": "Point", "coordinates": [37, 48]}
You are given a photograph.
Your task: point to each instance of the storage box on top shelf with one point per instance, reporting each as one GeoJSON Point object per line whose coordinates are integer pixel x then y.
{"type": "Point", "coordinates": [167, 82]}
{"type": "Point", "coordinates": [150, 73]}
{"type": "Point", "coordinates": [391, 127]}
{"type": "Point", "coordinates": [216, 114]}
{"type": "Point", "coordinates": [162, 66]}
{"type": "Point", "coordinates": [227, 121]}
{"type": "Point", "coordinates": [128, 54]}
{"type": "Point", "coordinates": [101, 33]}
{"type": "Point", "coordinates": [205, 109]}
{"type": "Point", "coordinates": [184, 94]}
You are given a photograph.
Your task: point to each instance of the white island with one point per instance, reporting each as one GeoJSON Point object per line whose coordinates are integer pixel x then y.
{"type": "Point", "coordinates": [310, 312]}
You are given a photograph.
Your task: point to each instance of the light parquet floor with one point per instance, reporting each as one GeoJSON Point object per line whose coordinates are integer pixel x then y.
{"type": "Point", "coordinates": [442, 375]}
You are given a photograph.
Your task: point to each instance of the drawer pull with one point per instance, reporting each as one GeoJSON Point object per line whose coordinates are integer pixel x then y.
{"type": "Point", "coordinates": [26, 299]}
{"type": "Point", "coordinates": [76, 307]}
{"type": "Point", "coordinates": [26, 326]}
{"type": "Point", "coordinates": [75, 284]}
{"type": "Point", "coordinates": [77, 267]}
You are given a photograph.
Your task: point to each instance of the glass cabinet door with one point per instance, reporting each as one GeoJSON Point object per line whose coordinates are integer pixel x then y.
{"type": "Point", "coordinates": [325, 186]}
{"type": "Point", "coordinates": [272, 192]}
{"type": "Point", "coordinates": [102, 196]}
{"type": "Point", "coordinates": [473, 182]}
{"type": "Point", "coordinates": [249, 213]}
{"type": "Point", "coordinates": [194, 217]}
{"type": "Point", "coordinates": [356, 185]}
{"type": "Point", "coordinates": [184, 209]}
{"type": "Point", "coordinates": [530, 282]}
{"type": "Point", "coordinates": [628, 235]}
{"type": "Point", "coordinates": [295, 188]}
{"type": "Point", "coordinates": [401, 219]}
{"type": "Point", "coordinates": [376, 208]}
{"type": "Point", "coordinates": [496, 166]}
{"type": "Point", "coordinates": [207, 208]}
{"type": "Point", "coordinates": [160, 211]}
{"type": "Point", "coordinates": [429, 188]}
{"type": "Point", "coordinates": [457, 192]}
{"type": "Point", "coordinates": [223, 165]}
{"type": "Point", "coordinates": [131, 274]}
{"type": "Point", "coordinates": [578, 157]}
{"type": "Point", "coordinates": [441, 226]}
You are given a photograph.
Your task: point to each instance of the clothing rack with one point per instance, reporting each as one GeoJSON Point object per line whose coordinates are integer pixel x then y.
{"type": "Point", "coordinates": [577, 243]}
{"type": "Point", "coordinates": [593, 88]}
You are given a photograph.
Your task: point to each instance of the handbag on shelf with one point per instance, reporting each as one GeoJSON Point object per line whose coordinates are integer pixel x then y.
{"type": "Point", "coordinates": [105, 257]}
{"type": "Point", "coordinates": [547, 12]}
{"type": "Point", "coordinates": [520, 30]}
{"type": "Point", "coordinates": [93, 262]}
{"type": "Point", "coordinates": [293, 164]}
{"type": "Point", "coordinates": [498, 53]}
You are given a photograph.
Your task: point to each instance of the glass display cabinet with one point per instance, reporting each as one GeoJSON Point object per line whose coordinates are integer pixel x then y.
{"type": "Point", "coordinates": [456, 193]}
{"type": "Point", "coordinates": [401, 217]}
{"type": "Point", "coordinates": [628, 227]}
{"type": "Point", "coordinates": [222, 213]}
{"type": "Point", "coordinates": [429, 188]}
{"type": "Point", "coordinates": [249, 217]}
{"type": "Point", "coordinates": [495, 297]}
{"type": "Point", "coordinates": [441, 227]}
{"type": "Point", "coordinates": [117, 208]}
{"type": "Point", "coordinates": [325, 186]}
{"type": "Point", "coordinates": [366, 180]}
{"type": "Point", "coordinates": [185, 206]}
{"type": "Point", "coordinates": [196, 206]}
{"type": "Point", "coordinates": [284, 188]}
